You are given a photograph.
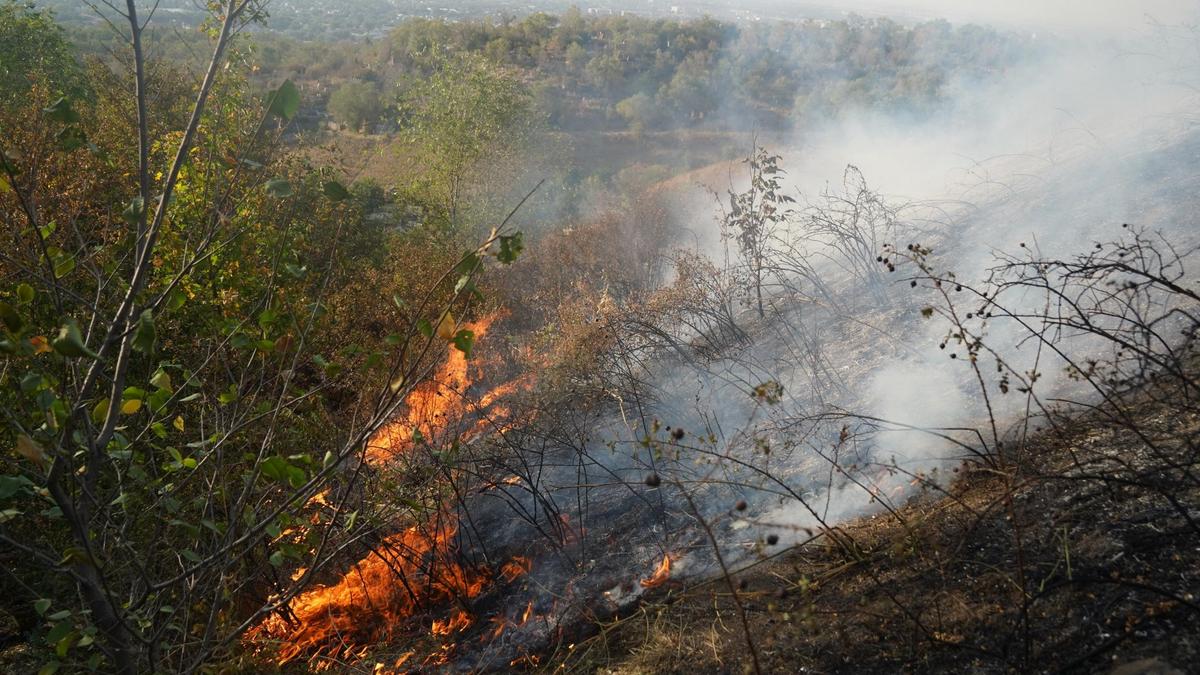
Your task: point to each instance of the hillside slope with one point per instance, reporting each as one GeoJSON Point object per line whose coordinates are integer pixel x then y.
{"type": "Point", "coordinates": [1110, 567]}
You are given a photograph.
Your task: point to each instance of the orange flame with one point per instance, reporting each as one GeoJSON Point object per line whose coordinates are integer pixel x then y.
{"type": "Point", "coordinates": [433, 406]}
{"type": "Point", "coordinates": [661, 574]}
{"type": "Point", "coordinates": [517, 567]}
{"type": "Point", "coordinates": [459, 622]}
{"type": "Point", "coordinates": [503, 624]}
{"type": "Point", "coordinates": [410, 570]}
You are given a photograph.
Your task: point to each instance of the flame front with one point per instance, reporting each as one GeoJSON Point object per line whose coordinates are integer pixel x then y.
{"type": "Point", "coordinates": [409, 570]}
{"type": "Point", "coordinates": [433, 407]}
{"type": "Point", "coordinates": [413, 569]}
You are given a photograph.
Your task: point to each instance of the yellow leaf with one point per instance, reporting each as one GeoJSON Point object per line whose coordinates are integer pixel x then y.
{"type": "Point", "coordinates": [178, 423]}
{"type": "Point", "coordinates": [445, 328]}
{"type": "Point", "coordinates": [131, 406]}
{"type": "Point", "coordinates": [398, 384]}
{"type": "Point", "coordinates": [31, 450]}
{"type": "Point", "coordinates": [41, 345]}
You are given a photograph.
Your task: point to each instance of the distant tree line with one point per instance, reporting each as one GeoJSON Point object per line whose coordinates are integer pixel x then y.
{"type": "Point", "coordinates": [644, 74]}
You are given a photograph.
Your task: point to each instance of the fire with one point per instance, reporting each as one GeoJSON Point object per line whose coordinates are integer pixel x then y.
{"type": "Point", "coordinates": [375, 600]}
{"type": "Point", "coordinates": [410, 570]}
{"type": "Point", "coordinates": [433, 406]}
{"type": "Point", "coordinates": [517, 567]}
{"type": "Point", "coordinates": [455, 624]}
{"type": "Point", "coordinates": [661, 574]}
{"type": "Point", "coordinates": [502, 623]}
{"type": "Point", "coordinates": [525, 661]}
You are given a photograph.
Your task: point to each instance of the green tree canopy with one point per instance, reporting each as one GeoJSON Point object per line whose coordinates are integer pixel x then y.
{"type": "Point", "coordinates": [34, 50]}
{"type": "Point", "coordinates": [356, 104]}
{"type": "Point", "coordinates": [469, 111]}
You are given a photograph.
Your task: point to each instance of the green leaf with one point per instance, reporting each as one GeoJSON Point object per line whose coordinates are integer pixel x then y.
{"type": "Point", "coordinates": [146, 334]}
{"type": "Point", "coordinates": [61, 111]}
{"type": "Point", "coordinates": [176, 299]}
{"type": "Point", "coordinates": [133, 213]}
{"type": "Point", "coordinates": [63, 265]}
{"type": "Point", "coordinates": [467, 265]}
{"type": "Point", "coordinates": [510, 247]}
{"type": "Point", "coordinates": [31, 383]}
{"type": "Point", "coordinates": [25, 294]}
{"type": "Point", "coordinates": [279, 188]}
{"type": "Point", "coordinates": [4, 186]}
{"type": "Point", "coordinates": [64, 645]}
{"type": "Point", "coordinates": [464, 341]}
{"type": "Point", "coordinates": [159, 399]}
{"type": "Point", "coordinates": [425, 327]}
{"type": "Point", "coordinates": [58, 632]}
{"type": "Point", "coordinates": [8, 163]}
{"type": "Point", "coordinates": [276, 468]}
{"type": "Point", "coordinates": [285, 101]}
{"type": "Point", "coordinates": [100, 411]}
{"type": "Point", "coordinates": [335, 191]}
{"type": "Point", "coordinates": [161, 380]}
{"type": "Point", "coordinates": [11, 485]}
{"type": "Point", "coordinates": [267, 318]}
{"type": "Point", "coordinates": [12, 320]}
{"type": "Point", "coordinates": [69, 342]}
{"type": "Point", "coordinates": [41, 605]}
{"type": "Point", "coordinates": [71, 138]}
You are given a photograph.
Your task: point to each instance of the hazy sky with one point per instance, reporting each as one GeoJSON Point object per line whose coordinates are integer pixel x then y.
{"type": "Point", "coordinates": [1106, 15]}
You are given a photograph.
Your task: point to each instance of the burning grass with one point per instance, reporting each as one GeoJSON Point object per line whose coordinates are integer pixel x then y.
{"type": "Point", "coordinates": [662, 573]}
{"type": "Point", "coordinates": [381, 597]}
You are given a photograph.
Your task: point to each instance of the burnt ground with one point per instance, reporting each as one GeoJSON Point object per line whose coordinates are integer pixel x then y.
{"type": "Point", "coordinates": [1110, 571]}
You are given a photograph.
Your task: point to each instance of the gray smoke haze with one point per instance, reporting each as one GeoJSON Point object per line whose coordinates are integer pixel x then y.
{"type": "Point", "coordinates": [1058, 153]}
{"type": "Point", "coordinates": [1107, 16]}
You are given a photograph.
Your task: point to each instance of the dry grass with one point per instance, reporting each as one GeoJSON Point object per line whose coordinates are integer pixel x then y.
{"type": "Point", "coordinates": [1109, 576]}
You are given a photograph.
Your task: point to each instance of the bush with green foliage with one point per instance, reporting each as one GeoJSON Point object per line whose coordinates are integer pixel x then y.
{"type": "Point", "coordinates": [356, 104]}
{"type": "Point", "coordinates": [177, 375]}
